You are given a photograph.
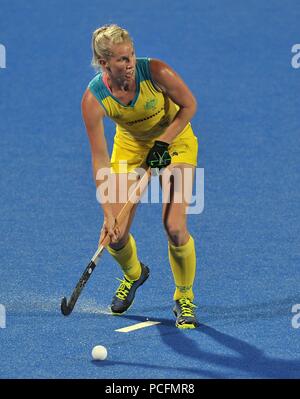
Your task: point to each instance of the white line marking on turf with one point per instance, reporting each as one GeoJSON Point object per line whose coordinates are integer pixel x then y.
{"type": "Point", "coordinates": [138, 326]}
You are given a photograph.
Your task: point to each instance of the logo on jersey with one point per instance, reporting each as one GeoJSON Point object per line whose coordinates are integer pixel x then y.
{"type": "Point", "coordinates": [151, 104]}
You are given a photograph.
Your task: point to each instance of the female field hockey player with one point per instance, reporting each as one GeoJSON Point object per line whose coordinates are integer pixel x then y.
{"type": "Point", "coordinates": [152, 108]}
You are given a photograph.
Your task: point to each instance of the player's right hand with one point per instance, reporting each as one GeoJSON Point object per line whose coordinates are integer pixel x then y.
{"type": "Point", "coordinates": [109, 227]}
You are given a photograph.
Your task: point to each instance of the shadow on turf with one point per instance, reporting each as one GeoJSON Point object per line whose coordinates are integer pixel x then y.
{"type": "Point", "coordinates": [245, 357]}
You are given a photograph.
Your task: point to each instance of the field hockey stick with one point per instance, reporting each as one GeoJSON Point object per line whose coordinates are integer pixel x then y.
{"type": "Point", "coordinates": [68, 306]}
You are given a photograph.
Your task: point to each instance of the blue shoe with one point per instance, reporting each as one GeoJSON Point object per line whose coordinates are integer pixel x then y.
{"type": "Point", "coordinates": [124, 295]}
{"type": "Point", "coordinates": [185, 314]}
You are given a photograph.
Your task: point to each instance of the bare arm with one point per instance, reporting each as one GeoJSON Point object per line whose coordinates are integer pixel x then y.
{"type": "Point", "coordinates": [175, 88]}
{"type": "Point", "coordinates": [93, 115]}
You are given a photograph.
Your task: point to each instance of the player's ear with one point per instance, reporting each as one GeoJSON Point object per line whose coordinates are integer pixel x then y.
{"type": "Point", "coordinates": [102, 62]}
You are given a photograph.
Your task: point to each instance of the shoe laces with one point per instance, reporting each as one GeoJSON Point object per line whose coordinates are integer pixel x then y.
{"type": "Point", "coordinates": [187, 307]}
{"type": "Point", "coordinates": [123, 289]}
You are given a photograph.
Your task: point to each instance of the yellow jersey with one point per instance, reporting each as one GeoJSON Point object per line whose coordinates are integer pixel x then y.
{"type": "Point", "coordinates": [147, 116]}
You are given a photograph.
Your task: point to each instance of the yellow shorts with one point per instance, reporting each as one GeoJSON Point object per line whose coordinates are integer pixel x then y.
{"type": "Point", "coordinates": [129, 154]}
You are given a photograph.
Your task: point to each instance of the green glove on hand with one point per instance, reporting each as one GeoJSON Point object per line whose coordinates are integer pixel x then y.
{"type": "Point", "coordinates": [158, 156]}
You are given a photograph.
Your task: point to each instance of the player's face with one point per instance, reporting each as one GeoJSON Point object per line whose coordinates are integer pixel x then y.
{"type": "Point", "coordinates": [121, 64]}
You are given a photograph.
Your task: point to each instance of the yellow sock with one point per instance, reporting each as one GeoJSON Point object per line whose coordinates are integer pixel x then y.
{"type": "Point", "coordinates": [183, 264]}
{"type": "Point", "coordinates": [128, 259]}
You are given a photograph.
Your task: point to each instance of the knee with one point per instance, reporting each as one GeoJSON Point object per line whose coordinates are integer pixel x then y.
{"type": "Point", "coordinates": [176, 230]}
{"type": "Point", "coordinates": [120, 243]}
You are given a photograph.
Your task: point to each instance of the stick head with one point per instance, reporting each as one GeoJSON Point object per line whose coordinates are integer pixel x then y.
{"type": "Point", "coordinates": [65, 309]}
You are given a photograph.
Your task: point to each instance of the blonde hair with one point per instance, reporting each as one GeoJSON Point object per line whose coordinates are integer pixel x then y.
{"type": "Point", "coordinates": [104, 38]}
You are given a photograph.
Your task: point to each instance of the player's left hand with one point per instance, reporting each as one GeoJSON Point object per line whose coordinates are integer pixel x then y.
{"type": "Point", "coordinates": [158, 156]}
